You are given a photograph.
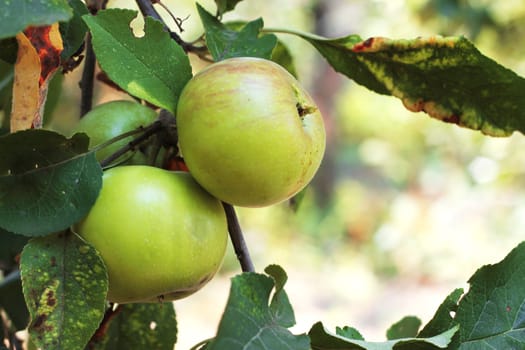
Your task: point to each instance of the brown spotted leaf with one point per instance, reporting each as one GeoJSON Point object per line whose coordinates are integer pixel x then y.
{"type": "Point", "coordinates": [448, 78]}
{"type": "Point", "coordinates": [38, 58]}
{"type": "Point", "coordinates": [65, 284]}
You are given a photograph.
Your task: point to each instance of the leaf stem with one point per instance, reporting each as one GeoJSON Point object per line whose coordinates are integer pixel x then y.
{"type": "Point", "coordinates": [237, 238]}
{"type": "Point", "coordinates": [298, 33]}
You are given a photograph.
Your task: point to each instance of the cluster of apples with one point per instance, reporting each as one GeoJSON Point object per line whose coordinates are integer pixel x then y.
{"type": "Point", "coordinates": [250, 136]}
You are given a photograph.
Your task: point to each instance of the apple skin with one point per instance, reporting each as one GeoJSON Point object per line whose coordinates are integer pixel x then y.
{"type": "Point", "coordinates": [111, 119]}
{"type": "Point", "coordinates": [161, 236]}
{"type": "Point", "coordinates": [248, 132]}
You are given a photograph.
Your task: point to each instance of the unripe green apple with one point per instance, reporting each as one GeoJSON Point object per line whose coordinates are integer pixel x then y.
{"type": "Point", "coordinates": [111, 119]}
{"type": "Point", "coordinates": [161, 236]}
{"type": "Point", "coordinates": [248, 132]}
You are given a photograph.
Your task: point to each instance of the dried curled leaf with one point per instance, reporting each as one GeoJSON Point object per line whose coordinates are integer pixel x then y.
{"type": "Point", "coordinates": [38, 58]}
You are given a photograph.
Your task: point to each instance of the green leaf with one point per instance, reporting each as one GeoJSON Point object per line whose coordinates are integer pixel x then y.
{"type": "Point", "coordinates": [141, 326]}
{"type": "Point", "coordinates": [448, 78]}
{"type": "Point", "coordinates": [224, 6]}
{"type": "Point", "coordinates": [407, 327]}
{"type": "Point", "coordinates": [249, 322]}
{"type": "Point", "coordinates": [152, 67]}
{"type": "Point", "coordinates": [349, 332]}
{"type": "Point", "coordinates": [74, 31]}
{"type": "Point", "coordinates": [492, 313]}
{"type": "Point", "coordinates": [282, 56]}
{"type": "Point", "coordinates": [8, 51]}
{"type": "Point", "coordinates": [226, 43]}
{"type": "Point", "coordinates": [10, 246]}
{"type": "Point", "coordinates": [280, 53]}
{"type": "Point", "coordinates": [47, 181]}
{"type": "Point", "coordinates": [65, 285]}
{"type": "Point", "coordinates": [443, 318]}
{"type": "Point", "coordinates": [6, 86]}
{"type": "Point", "coordinates": [280, 304]}
{"type": "Point", "coordinates": [322, 339]}
{"type": "Point", "coordinates": [16, 15]}
{"type": "Point", "coordinates": [12, 300]}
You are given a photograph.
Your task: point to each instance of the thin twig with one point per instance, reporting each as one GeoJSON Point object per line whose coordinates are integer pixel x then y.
{"type": "Point", "coordinates": [237, 238]}
{"type": "Point", "coordinates": [148, 131]}
{"type": "Point", "coordinates": [88, 78]}
{"type": "Point", "coordinates": [101, 332]}
{"type": "Point", "coordinates": [147, 9]}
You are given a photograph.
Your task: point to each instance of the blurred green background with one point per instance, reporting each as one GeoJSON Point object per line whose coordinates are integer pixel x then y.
{"type": "Point", "coordinates": [404, 208]}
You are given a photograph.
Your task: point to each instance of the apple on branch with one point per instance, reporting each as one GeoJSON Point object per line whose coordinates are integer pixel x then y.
{"type": "Point", "coordinates": [111, 119]}
{"type": "Point", "coordinates": [249, 133]}
{"type": "Point", "coordinates": [161, 236]}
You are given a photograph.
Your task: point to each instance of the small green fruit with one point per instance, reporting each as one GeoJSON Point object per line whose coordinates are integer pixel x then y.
{"type": "Point", "coordinates": [112, 119]}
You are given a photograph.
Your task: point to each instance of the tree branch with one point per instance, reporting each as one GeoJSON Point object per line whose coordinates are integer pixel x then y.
{"type": "Point", "coordinates": [101, 332]}
{"type": "Point", "coordinates": [88, 78]}
{"type": "Point", "coordinates": [237, 238]}
{"type": "Point", "coordinates": [152, 129]}
{"type": "Point", "coordinates": [147, 9]}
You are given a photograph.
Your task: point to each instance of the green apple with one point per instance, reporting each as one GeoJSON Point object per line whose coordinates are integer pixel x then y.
{"type": "Point", "coordinates": [112, 119]}
{"type": "Point", "coordinates": [248, 132]}
{"type": "Point", "coordinates": [161, 236]}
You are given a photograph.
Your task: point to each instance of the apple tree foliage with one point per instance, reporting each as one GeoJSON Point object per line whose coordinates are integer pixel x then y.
{"type": "Point", "coordinates": [54, 284]}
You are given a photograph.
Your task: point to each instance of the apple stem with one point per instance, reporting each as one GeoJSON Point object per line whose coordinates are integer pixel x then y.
{"type": "Point", "coordinates": [237, 238]}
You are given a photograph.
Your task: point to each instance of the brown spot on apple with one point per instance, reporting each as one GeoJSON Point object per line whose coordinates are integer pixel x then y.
{"type": "Point", "coordinates": [304, 110]}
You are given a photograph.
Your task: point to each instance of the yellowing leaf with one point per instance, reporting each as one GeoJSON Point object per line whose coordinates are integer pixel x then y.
{"type": "Point", "coordinates": [38, 59]}
{"type": "Point", "coordinates": [25, 87]}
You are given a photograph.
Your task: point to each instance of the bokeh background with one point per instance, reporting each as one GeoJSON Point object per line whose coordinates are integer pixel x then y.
{"type": "Point", "coordinates": [404, 208]}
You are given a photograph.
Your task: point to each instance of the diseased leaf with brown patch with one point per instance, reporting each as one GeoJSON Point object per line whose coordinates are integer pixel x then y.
{"type": "Point", "coordinates": [448, 78]}
{"type": "Point", "coordinates": [65, 284]}
{"type": "Point", "coordinates": [38, 59]}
